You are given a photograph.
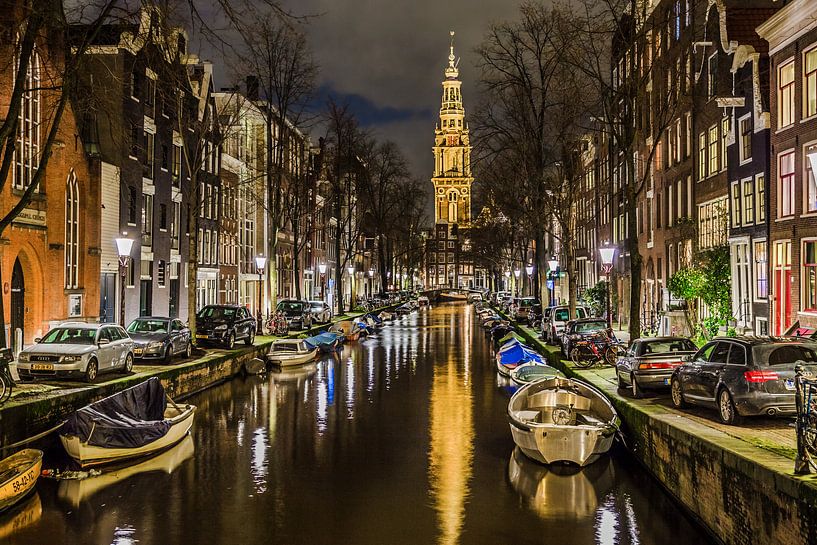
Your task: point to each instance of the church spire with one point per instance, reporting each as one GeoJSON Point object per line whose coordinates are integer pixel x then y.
{"type": "Point", "coordinates": [452, 72]}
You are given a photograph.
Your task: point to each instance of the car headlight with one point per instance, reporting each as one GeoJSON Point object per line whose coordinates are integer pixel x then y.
{"type": "Point", "coordinates": [74, 357]}
{"type": "Point", "coordinates": [154, 345]}
{"type": "Point", "coordinates": [221, 327]}
{"type": "Point", "coordinates": [23, 357]}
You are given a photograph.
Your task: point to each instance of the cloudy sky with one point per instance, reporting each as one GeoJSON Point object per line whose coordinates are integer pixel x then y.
{"type": "Point", "coordinates": [387, 59]}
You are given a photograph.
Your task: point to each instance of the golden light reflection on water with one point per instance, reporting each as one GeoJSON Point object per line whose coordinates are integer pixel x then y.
{"type": "Point", "coordinates": [452, 439]}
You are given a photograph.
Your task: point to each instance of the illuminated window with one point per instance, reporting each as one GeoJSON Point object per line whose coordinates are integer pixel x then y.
{"type": "Point", "coordinates": [72, 232]}
{"type": "Point", "coordinates": [27, 152]}
{"type": "Point", "coordinates": [785, 95]}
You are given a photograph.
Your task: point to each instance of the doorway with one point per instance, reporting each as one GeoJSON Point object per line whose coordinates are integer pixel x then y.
{"type": "Point", "coordinates": [107, 298]}
{"type": "Point", "coordinates": [18, 303]}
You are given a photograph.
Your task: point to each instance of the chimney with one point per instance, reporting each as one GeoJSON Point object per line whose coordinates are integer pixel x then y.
{"type": "Point", "coordinates": [252, 88]}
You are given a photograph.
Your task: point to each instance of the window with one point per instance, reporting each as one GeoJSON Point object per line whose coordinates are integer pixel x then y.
{"type": "Point", "coordinates": [133, 203]}
{"type": "Point", "coordinates": [712, 227]}
{"type": "Point", "coordinates": [147, 167]}
{"type": "Point", "coordinates": [810, 83]}
{"type": "Point", "coordinates": [165, 158]}
{"type": "Point", "coordinates": [745, 138]}
{"type": "Point", "coordinates": [713, 149]}
{"type": "Point", "coordinates": [72, 232]}
{"type": "Point", "coordinates": [785, 95]}
{"type": "Point", "coordinates": [761, 278]}
{"type": "Point", "coordinates": [175, 227]}
{"type": "Point", "coordinates": [712, 76]}
{"type": "Point", "coordinates": [163, 217]}
{"type": "Point", "coordinates": [809, 281]}
{"type": "Point", "coordinates": [811, 185]}
{"type": "Point", "coordinates": [177, 164]}
{"type": "Point", "coordinates": [724, 139]}
{"type": "Point", "coordinates": [161, 273]}
{"type": "Point", "coordinates": [760, 192]}
{"type": "Point", "coordinates": [736, 212]}
{"type": "Point", "coordinates": [150, 95]}
{"type": "Point", "coordinates": [748, 201]}
{"type": "Point", "coordinates": [147, 220]}
{"type": "Point", "coordinates": [702, 156]}
{"type": "Point", "coordinates": [785, 205]}
{"type": "Point", "coordinates": [135, 84]}
{"type": "Point", "coordinates": [27, 151]}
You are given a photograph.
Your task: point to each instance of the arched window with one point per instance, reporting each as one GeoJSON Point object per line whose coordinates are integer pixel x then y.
{"type": "Point", "coordinates": [452, 206]}
{"type": "Point", "coordinates": [72, 232]}
{"type": "Point", "coordinates": [27, 152]}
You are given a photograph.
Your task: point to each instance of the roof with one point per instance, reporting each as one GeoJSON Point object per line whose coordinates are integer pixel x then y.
{"type": "Point", "coordinates": [741, 25]}
{"type": "Point", "coordinates": [664, 338]}
{"type": "Point", "coordinates": [758, 339]}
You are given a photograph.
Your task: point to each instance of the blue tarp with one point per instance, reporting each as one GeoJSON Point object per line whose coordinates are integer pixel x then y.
{"type": "Point", "coordinates": [518, 353]}
{"type": "Point", "coordinates": [377, 319]}
{"type": "Point", "coordinates": [325, 341]}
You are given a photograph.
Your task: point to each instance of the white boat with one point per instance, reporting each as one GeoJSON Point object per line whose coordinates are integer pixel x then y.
{"type": "Point", "coordinates": [453, 296]}
{"type": "Point", "coordinates": [562, 420]}
{"type": "Point", "coordinates": [132, 423]}
{"type": "Point", "coordinates": [286, 352]}
{"type": "Point", "coordinates": [532, 372]}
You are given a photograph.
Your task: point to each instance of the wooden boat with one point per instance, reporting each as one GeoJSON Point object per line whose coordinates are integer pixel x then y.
{"type": "Point", "coordinates": [286, 352]}
{"type": "Point", "coordinates": [18, 475]}
{"type": "Point", "coordinates": [326, 342]}
{"type": "Point", "coordinates": [452, 296]}
{"type": "Point", "coordinates": [348, 329]}
{"type": "Point", "coordinates": [132, 423]}
{"type": "Point", "coordinates": [562, 420]}
{"type": "Point", "coordinates": [513, 354]}
{"type": "Point", "coordinates": [533, 372]}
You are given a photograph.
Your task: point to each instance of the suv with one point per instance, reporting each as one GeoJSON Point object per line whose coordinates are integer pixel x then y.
{"type": "Point", "coordinates": [320, 312]}
{"type": "Point", "coordinates": [225, 324]}
{"type": "Point", "coordinates": [555, 319]}
{"type": "Point", "coordinates": [296, 312]}
{"type": "Point", "coordinates": [77, 349]}
{"type": "Point", "coordinates": [522, 308]}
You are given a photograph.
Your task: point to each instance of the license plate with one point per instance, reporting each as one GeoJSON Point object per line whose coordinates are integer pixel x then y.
{"type": "Point", "coordinates": [666, 382]}
{"type": "Point", "coordinates": [790, 384]}
{"type": "Point", "coordinates": [201, 336]}
{"type": "Point", "coordinates": [137, 351]}
{"type": "Point", "coordinates": [42, 366]}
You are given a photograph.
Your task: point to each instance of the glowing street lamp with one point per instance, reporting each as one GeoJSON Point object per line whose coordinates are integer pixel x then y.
{"type": "Point", "coordinates": [608, 254]}
{"type": "Point", "coordinates": [260, 264]}
{"type": "Point", "coordinates": [529, 270]}
{"type": "Point", "coordinates": [124, 245]}
{"type": "Point", "coordinates": [322, 271]}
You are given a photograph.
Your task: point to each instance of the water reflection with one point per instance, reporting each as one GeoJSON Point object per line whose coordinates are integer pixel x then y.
{"type": "Point", "coordinates": [21, 516]}
{"type": "Point", "coordinates": [452, 438]}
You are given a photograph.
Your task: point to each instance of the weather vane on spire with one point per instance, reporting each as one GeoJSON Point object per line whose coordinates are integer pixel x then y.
{"type": "Point", "coordinates": [452, 71]}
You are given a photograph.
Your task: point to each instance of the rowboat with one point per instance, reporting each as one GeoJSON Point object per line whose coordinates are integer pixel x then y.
{"type": "Point", "coordinates": [285, 352]}
{"type": "Point", "coordinates": [18, 475]}
{"type": "Point", "coordinates": [562, 420]}
{"type": "Point", "coordinates": [532, 372]}
{"type": "Point", "coordinates": [513, 354]}
{"type": "Point", "coordinates": [452, 296]}
{"type": "Point", "coordinates": [327, 342]}
{"type": "Point", "coordinates": [132, 423]}
{"type": "Point", "coordinates": [348, 329]}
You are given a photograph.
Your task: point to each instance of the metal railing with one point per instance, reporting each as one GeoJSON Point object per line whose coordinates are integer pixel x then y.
{"type": "Point", "coordinates": [806, 401]}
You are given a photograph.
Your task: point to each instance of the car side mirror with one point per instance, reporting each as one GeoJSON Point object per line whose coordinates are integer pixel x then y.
{"type": "Point", "coordinates": [37, 340]}
{"type": "Point", "coordinates": [103, 342]}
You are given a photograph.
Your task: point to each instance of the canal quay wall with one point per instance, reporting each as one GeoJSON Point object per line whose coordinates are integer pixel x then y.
{"type": "Point", "coordinates": [741, 493]}
{"type": "Point", "coordinates": [29, 416]}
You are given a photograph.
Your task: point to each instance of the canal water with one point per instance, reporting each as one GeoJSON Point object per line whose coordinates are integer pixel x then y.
{"type": "Point", "coordinates": [401, 439]}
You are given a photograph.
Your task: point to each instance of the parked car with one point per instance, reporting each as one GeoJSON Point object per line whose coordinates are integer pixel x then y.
{"type": "Point", "coordinates": [77, 350]}
{"type": "Point", "coordinates": [474, 297]}
{"type": "Point", "coordinates": [743, 376]}
{"type": "Point", "coordinates": [296, 312]}
{"type": "Point", "coordinates": [225, 324]}
{"type": "Point", "coordinates": [320, 312]}
{"type": "Point", "coordinates": [159, 338]}
{"type": "Point", "coordinates": [522, 308]}
{"type": "Point", "coordinates": [499, 296]}
{"type": "Point", "coordinates": [649, 363]}
{"type": "Point", "coordinates": [422, 301]}
{"type": "Point", "coordinates": [581, 329]}
{"type": "Point", "coordinates": [557, 318]}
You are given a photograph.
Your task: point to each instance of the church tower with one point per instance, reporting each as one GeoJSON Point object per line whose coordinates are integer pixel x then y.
{"type": "Point", "coordinates": [452, 153]}
{"type": "Point", "coordinates": [447, 246]}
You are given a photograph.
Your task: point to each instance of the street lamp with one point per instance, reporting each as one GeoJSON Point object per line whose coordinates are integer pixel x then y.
{"type": "Point", "coordinates": [516, 274]}
{"type": "Point", "coordinates": [124, 245]}
{"type": "Point", "coordinates": [322, 270]}
{"type": "Point", "coordinates": [507, 279]}
{"type": "Point", "coordinates": [608, 254]}
{"type": "Point", "coordinates": [529, 270]}
{"type": "Point", "coordinates": [351, 270]}
{"type": "Point", "coordinates": [260, 264]}
{"type": "Point", "coordinates": [553, 265]}
{"type": "Point", "coordinates": [371, 282]}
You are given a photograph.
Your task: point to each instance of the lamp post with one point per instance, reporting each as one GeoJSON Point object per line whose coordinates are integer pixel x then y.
{"type": "Point", "coordinates": [553, 265]}
{"type": "Point", "coordinates": [507, 279]}
{"type": "Point", "coordinates": [322, 270]}
{"type": "Point", "coordinates": [608, 254]}
{"type": "Point", "coordinates": [124, 245]}
{"type": "Point", "coordinates": [260, 264]}
{"type": "Point", "coordinates": [529, 270]}
{"type": "Point", "coordinates": [351, 270]}
{"type": "Point", "coordinates": [371, 282]}
{"type": "Point", "coordinates": [517, 273]}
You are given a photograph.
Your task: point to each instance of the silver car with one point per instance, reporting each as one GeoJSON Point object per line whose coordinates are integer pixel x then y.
{"type": "Point", "coordinates": [649, 363]}
{"type": "Point", "coordinates": [320, 311]}
{"type": "Point", "coordinates": [77, 350]}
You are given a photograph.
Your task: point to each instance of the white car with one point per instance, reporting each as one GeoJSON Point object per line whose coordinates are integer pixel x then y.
{"type": "Point", "coordinates": [422, 301]}
{"type": "Point", "coordinates": [77, 350]}
{"type": "Point", "coordinates": [557, 318]}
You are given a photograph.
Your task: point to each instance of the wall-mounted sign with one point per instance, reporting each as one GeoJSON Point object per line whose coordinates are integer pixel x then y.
{"type": "Point", "coordinates": [30, 216]}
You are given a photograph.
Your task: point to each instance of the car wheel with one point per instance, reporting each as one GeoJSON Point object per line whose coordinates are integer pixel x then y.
{"type": "Point", "coordinates": [188, 351]}
{"type": "Point", "coordinates": [168, 355]}
{"type": "Point", "coordinates": [128, 364]}
{"type": "Point", "coordinates": [621, 384]}
{"type": "Point", "coordinates": [636, 390]}
{"type": "Point", "coordinates": [726, 408]}
{"type": "Point", "coordinates": [250, 338]}
{"type": "Point", "coordinates": [91, 371]}
{"type": "Point", "coordinates": [677, 394]}
{"type": "Point", "coordinates": [230, 341]}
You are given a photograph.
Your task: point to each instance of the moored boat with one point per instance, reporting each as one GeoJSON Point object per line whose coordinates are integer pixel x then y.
{"type": "Point", "coordinates": [18, 475]}
{"type": "Point", "coordinates": [326, 342]}
{"type": "Point", "coordinates": [513, 354]}
{"type": "Point", "coordinates": [285, 352]}
{"type": "Point", "coordinates": [533, 372]}
{"type": "Point", "coordinates": [452, 296]}
{"type": "Point", "coordinates": [562, 420]}
{"type": "Point", "coordinates": [132, 423]}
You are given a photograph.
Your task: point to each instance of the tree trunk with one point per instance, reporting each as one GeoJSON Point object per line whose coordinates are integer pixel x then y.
{"type": "Point", "coordinates": [541, 266]}
{"type": "Point", "coordinates": [192, 273]}
{"type": "Point", "coordinates": [635, 268]}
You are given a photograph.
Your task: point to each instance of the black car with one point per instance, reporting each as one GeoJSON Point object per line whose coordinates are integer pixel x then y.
{"type": "Point", "coordinates": [225, 324]}
{"type": "Point", "coordinates": [296, 312]}
{"type": "Point", "coordinates": [744, 376]}
{"type": "Point", "coordinates": [159, 338]}
{"type": "Point", "coordinates": [582, 329]}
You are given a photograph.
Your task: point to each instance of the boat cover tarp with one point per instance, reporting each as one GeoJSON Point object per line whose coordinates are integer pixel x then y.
{"type": "Point", "coordinates": [511, 344]}
{"type": "Point", "coordinates": [129, 419]}
{"type": "Point", "coordinates": [509, 337]}
{"type": "Point", "coordinates": [518, 354]}
{"type": "Point", "coordinates": [322, 340]}
{"type": "Point", "coordinates": [375, 318]}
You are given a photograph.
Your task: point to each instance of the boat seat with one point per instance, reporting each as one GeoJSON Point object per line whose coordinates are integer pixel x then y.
{"type": "Point", "coordinates": [590, 419]}
{"type": "Point", "coordinates": [558, 398]}
{"type": "Point", "coordinates": [528, 416]}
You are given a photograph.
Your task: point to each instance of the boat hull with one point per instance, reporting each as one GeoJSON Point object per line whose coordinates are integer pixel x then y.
{"type": "Point", "coordinates": [21, 472]}
{"type": "Point", "coordinates": [579, 445]}
{"type": "Point", "coordinates": [284, 359]}
{"type": "Point", "coordinates": [452, 297]}
{"type": "Point", "coordinates": [92, 455]}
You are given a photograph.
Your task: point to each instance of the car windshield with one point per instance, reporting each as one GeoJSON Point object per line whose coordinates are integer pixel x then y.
{"type": "Point", "coordinates": [665, 346]}
{"type": "Point", "coordinates": [290, 306]}
{"type": "Point", "coordinates": [316, 306]}
{"type": "Point", "coordinates": [561, 315]}
{"type": "Point", "coordinates": [148, 326]}
{"type": "Point", "coordinates": [70, 335]}
{"type": "Point", "coordinates": [777, 354]}
{"type": "Point", "coordinates": [527, 302]}
{"type": "Point", "coordinates": [589, 327]}
{"type": "Point", "coordinates": [217, 313]}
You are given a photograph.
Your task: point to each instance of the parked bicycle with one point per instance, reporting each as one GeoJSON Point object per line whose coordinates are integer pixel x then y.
{"type": "Point", "coordinates": [277, 324]}
{"type": "Point", "coordinates": [6, 382]}
{"type": "Point", "coordinates": [598, 348]}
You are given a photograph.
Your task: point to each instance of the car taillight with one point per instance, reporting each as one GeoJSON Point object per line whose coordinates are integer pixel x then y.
{"type": "Point", "coordinates": [660, 365]}
{"type": "Point", "coordinates": [760, 376]}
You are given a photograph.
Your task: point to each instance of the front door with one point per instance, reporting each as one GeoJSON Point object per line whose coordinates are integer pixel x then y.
{"type": "Point", "coordinates": [18, 303]}
{"type": "Point", "coordinates": [782, 286]}
{"type": "Point", "coordinates": [174, 298]}
{"type": "Point", "coordinates": [146, 298]}
{"type": "Point", "coordinates": [107, 298]}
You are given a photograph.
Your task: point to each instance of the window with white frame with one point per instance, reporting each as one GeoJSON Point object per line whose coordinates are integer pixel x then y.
{"type": "Point", "coordinates": [785, 162]}
{"type": "Point", "coordinates": [27, 150]}
{"type": "Point", "coordinates": [810, 191]}
{"type": "Point", "coordinates": [760, 195]}
{"type": "Point", "coordinates": [702, 156]}
{"type": "Point", "coordinates": [745, 127]}
{"type": "Point", "coordinates": [147, 168]}
{"type": "Point", "coordinates": [748, 201]}
{"type": "Point", "coordinates": [712, 76]}
{"type": "Point", "coordinates": [809, 277]}
{"type": "Point", "coordinates": [810, 82]}
{"type": "Point", "coordinates": [736, 211]}
{"type": "Point", "coordinates": [713, 149]}
{"type": "Point", "coordinates": [724, 140]}
{"type": "Point", "coordinates": [147, 220]}
{"type": "Point", "coordinates": [785, 94]}
{"type": "Point", "coordinates": [72, 232]}
{"type": "Point", "coordinates": [712, 226]}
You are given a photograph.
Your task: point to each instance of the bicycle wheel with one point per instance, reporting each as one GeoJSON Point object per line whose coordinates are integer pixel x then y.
{"type": "Point", "coordinates": [611, 355]}
{"type": "Point", "coordinates": [580, 359]}
{"type": "Point", "coordinates": [5, 389]}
